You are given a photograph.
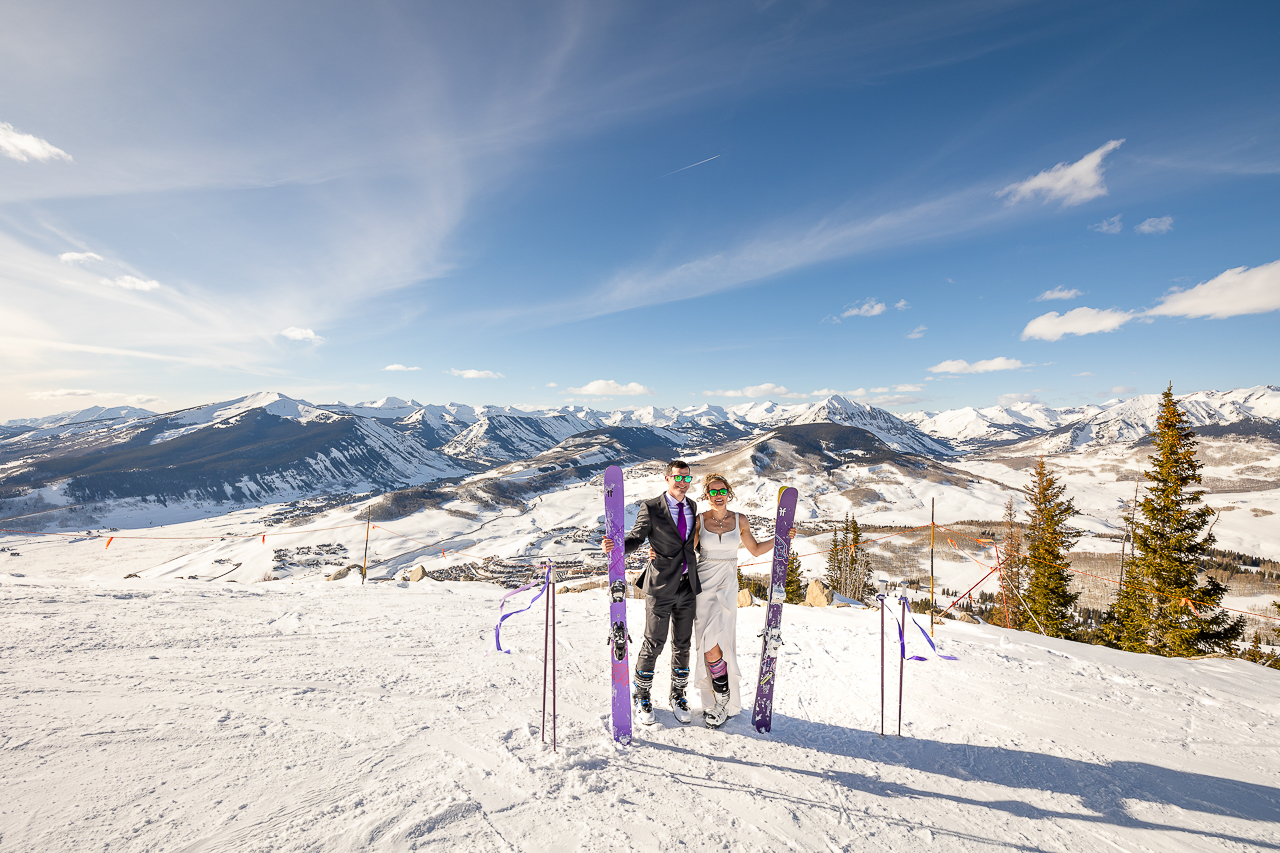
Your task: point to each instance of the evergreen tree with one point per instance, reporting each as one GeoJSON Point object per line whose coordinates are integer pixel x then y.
{"type": "Point", "coordinates": [1182, 615]}
{"type": "Point", "coordinates": [837, 559]}
{"type": "Point", "coordinates": [1010, 612]}
{"type": "Point", "coordinates": [1049, 599]}
{"type": "Point", "coordinates": [795, 588]}
{"type": "Point", "coordinates": [845, 561]}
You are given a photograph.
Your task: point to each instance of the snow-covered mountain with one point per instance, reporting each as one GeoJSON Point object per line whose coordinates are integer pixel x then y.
{"type": "Point", "coordinates": [93, 413]}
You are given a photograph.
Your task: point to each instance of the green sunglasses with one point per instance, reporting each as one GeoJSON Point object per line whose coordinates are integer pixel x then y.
{"type": "Point", "coordinates": [717, 492]}
{"type": "Point", "coordinates": [681, 478]}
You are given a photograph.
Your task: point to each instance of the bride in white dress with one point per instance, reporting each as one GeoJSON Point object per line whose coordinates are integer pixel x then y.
{"type": "Point", "coordinates": [720, 534]}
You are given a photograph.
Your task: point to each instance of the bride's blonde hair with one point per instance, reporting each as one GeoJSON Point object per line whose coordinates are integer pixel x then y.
{"type": "Point", "coordinates": [712, 478]}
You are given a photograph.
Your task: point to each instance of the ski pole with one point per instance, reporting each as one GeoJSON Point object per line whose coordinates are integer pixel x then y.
{"type": "Point", "coordinates": [902, 661]}
{"type": "Point", "coordinates": [546, 633]}
{"type": "Point", "coordinates": [551, 576]}
{"type": "Point", "coordinates": [880, 598]}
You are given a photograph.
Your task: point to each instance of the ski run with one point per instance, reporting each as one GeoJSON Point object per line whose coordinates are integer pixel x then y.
{"type": "Point", "coordinates": [162, 713]}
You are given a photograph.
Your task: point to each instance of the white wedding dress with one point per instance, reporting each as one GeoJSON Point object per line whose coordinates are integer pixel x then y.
{"type": "Point", "coordinates": [716, 623]}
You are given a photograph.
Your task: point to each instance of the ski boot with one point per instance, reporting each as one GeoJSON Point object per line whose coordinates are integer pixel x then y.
{"type": "Point", "coordinates": [680, 705]}
{"type": "Point", "coordinates": [643, 702]}
{"type": "Point", "coordinates": [715, 716]}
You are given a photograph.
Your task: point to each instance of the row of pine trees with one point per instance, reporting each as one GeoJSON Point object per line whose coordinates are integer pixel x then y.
{"type": "Point", "coordinates": [1163, 606]}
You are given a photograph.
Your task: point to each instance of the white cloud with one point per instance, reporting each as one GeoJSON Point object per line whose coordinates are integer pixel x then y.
{"type": "Point", "coordinates": [892, 400]}
{"type": "Point", "coordinates": [959, 365]}
{"type": "Point", "coordinates": [1058, 293]}
{"type": "Point", "coordinates": [129, 282]}
{"type": "Point", "coordinates": [879, 390]}
{"type": "Point", "coordinates": [1234, 293]}
{"type": "Point", "coordinates": [1078, 321]}
{"type": "Point", "coordinates": [604, 387]}
{"type": "Point", "coordinates": [552, 385]}
{"type": "Point", "coordinates": [917, 332]}
{"type": "Point", "coordinates": [24, 146]}
{"type": "Point", "coordinates": [768, 389]}
{"type": "Point", "coordinates": [831, 392]}
{"type": "Point", "coordinates": [1083, 373]}
{"type": "Point", "coordinates": [1071, 183]}
{"type": "Point", "coordinates": [905, 389]}
{"type": "Point", "coordinates": [474, 374]}
{"type": "Point", "coordinates": [1155, 225]}
{"type": "Point", "coordinates": [78, 257]}
{"type": "Point", "coordinates": [902, 305]}
{"type": "Point", "coordinates": [62, 392]}
{"type": "Point", "coordinates": [1010, 399]}
{"type": "Point", "coordinates": [1109, 226]}
{"type": "Point", "coordinates": [1123, 389]}
{"type": "Point", "coordinates": [294, 333]}
{"type": "Point", "coordinates": [869, 308]}
{"type": "Point", "coordinates": [400, 367]}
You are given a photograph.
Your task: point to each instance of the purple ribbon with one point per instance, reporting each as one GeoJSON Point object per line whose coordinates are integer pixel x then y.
{"type": "Point", "coordinates": [902, 640]}
{"type": "Point", "coordinates": [502, 602]}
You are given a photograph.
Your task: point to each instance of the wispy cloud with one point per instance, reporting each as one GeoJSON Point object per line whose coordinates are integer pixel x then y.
{"type": "Point", "coordinates": [1083, 373]}
{"type": "Point", "coordinates": [132, 282]}
{"type": "Point", "coordinates": [768, 389]}
{"type": "Point", "coordinates": [917, 332]}
{"type": "Point", "coordinates": [1071, 183]}
{"type": "Point", "coordinates": [1155, 225]}
{"type": "Point", "coordinates": [609, 388]}
{"type": "Point", "coordinates": [1058, 293]}
{"type": "Point", "coordinates": [869, 308]}
{"type": "Point", "coordinates": [470, 373]}
{"type": "Point", "coordinates": [891, 400]}
{"type": "Point", "coordinates": [1011, 399]}
{"type": "Point", "coordinates": [78, 257]}
{"type": "Point", "coordinates": [294, 333]}
{"type": "Point", "coordinates": [902, 305]}
{"type": "Point", "coordinates": [902, 389]}
{"type": "Point", "coordinates": [1078, 321]}
{"type": "Point", "coordinates": [24, 147]}
{"type": "Point", "coordinates": [552, 385]}
{"type": "Point", "coordinates": [1233, 293]}
{"type": "Point", "coordinates": [398, 367]}
{"type": "Point", "coordinates": [959, 365]}
{"type": "Point", "coordinates": [1116, 392]}
{"type": "Point", "coordinates": [1109, 226]}
{"type": "Point", "coordinates": [71, 393]}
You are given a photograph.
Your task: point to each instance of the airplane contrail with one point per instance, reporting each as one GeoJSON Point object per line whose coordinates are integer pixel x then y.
{"type": "Point", "coordinates": [691, 165]}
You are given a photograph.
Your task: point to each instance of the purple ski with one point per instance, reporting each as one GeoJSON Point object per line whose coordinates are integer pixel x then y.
{"type": "Point", "coordinates": [762, 714]}
{"type": "Point", "coordinates": [615, 517]}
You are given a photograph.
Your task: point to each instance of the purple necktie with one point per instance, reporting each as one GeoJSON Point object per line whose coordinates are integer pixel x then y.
{"type": "Point", "coordinates": [684, 533]}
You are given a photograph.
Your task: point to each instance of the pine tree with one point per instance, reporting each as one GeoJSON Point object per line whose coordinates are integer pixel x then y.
{"type": "Point", "coordinates": [1010, 612]}
{"type": "Point", "coordinates": [1176, 614]}
{"type": "Point", "coordinates": [1050, 601]}
{"type": "Point", "coordinates": [795, 588]}
{"type": "Point", "coordinates": [837, 559]}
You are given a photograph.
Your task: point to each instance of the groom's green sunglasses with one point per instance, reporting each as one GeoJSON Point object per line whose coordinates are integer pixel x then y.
{"type": "Point", "coordinates": [681, 478]}
{"type": "Point", "coordinates": [717, 492]}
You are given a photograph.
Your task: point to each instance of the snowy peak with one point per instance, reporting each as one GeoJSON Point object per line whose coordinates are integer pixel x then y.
{"type": "Point", "coordinates": [892, 430]}
{"type": "Point", "coordinates": [93, 413]}
{"type": "Point", "coordinates": [272, 402]}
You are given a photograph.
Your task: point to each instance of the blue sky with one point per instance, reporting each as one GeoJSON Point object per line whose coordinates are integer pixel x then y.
{"type": "Point", "coordinates": [923, 205]}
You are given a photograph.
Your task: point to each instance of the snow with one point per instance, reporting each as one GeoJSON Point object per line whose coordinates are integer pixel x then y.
{"type": "Point", "coordinates": [166, 713]}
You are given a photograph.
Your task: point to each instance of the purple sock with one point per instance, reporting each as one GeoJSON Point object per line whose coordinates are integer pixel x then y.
{"type": "Point", "coordinates": [717, 669]}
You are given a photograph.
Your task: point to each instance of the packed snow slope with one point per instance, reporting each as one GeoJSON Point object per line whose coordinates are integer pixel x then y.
{"type": "Point", "coordinates": [169, 713]}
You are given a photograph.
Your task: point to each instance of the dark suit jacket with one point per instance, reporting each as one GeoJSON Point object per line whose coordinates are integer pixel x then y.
{"type": "Point", "coordinates": [662, 578]}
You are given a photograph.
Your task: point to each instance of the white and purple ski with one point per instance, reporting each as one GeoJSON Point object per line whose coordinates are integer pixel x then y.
{"type": "Point", "coordinates": [762, 714]}
{"type": "Point", "coordinates": [615, 518]}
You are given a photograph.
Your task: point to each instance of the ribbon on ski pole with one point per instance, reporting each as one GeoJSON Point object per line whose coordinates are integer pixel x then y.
{"type": "Point", "coordinates": [503, 617]}
{"type": "Point", "coordinates": [902, 640]}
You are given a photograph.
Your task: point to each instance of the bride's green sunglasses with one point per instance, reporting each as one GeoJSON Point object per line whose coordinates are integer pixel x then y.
{"type": "Point", "coordinates": [717, 492]}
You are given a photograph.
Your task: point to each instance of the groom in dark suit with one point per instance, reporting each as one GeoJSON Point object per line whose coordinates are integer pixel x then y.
{"type": "Point", "coordinates": [670, 584]}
